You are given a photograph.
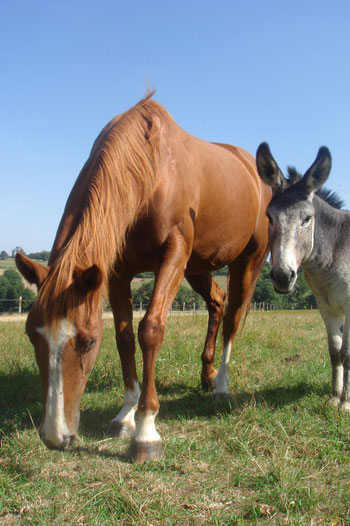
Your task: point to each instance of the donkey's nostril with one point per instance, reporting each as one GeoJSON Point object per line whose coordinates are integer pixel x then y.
{"type": "Point", "coordinates": [292, 274]}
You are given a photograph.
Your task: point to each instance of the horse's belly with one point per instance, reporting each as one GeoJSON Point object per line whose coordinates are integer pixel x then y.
{"type": "Point", "coordinates": [210, 257]}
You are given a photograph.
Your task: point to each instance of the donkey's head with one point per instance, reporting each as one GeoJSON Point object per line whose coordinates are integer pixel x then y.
{"type": "Point", "coordinates": [291, 214]}
{"type": "Point", "coordinates": [65, 345]}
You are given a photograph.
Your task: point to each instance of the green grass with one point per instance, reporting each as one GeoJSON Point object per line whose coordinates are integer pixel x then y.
{"type": "Point", "coordinates": [275, 454]}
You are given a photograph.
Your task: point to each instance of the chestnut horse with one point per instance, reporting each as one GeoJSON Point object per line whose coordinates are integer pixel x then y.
{"type": "Point", "coordinates": [149, 198]}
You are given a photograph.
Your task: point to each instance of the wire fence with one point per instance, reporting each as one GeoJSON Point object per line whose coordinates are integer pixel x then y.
{"type": "Point", "coordinates": [21, 306]}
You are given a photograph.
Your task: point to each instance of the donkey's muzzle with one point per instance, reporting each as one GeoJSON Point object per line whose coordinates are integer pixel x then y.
{"type": "Point", "coordinates": [283, 280]}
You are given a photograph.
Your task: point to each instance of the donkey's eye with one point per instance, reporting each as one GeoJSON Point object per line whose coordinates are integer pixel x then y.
{"type": "Point", "coordinates": [269, 218]}
{"type": "Point", "coordinates": [306, 221]}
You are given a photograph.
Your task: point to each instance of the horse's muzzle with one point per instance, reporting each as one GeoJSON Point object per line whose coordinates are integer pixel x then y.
{"type": "Point", "coordinates": [60, 444]}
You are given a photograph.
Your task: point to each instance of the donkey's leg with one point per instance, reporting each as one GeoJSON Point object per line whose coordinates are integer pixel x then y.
{"type": "Point", "coordinates": [123, 424]}
{"type": "Point", "coordinates": [240, 283]}
{"type": "Point", "coordinates": [333, 325]}
{"type": "Point", "coordinates": [345, 360]}
{"type": "Point", "coordinates": [214, 298]}
{"type": "Point", "coordinates": [146, 443]}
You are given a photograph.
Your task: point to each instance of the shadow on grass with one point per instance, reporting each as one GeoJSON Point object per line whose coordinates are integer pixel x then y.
{"type": "Point", "coordinates": [189, 403]}
{"type": "Point", "coordinates": [20, 401]}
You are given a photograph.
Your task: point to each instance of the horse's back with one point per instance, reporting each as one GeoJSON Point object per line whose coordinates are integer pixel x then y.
{"type": "Point", "coordinates": [209, 192]}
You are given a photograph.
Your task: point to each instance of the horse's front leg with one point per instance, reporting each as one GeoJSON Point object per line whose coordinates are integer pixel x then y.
{"type": "Point", "coordinates": [146, 442]}
{"type": "Point", "coordinates": [123, 425]}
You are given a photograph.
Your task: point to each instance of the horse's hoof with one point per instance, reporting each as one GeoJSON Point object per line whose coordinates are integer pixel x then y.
{"type": "Point", "coordinates": [208, 385]}
{"type": "Point", "coordinates": [333, 401]}
{"type": "Point", "coordinates": [139, 452]}
{"type": "Point", "coordinates": [345, 407]}
{"type": "Point", "coordinates": [119, 429]}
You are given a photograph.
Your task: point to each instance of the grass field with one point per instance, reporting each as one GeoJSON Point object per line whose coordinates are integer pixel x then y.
{"type": "Point", "coordinates": [275, 454]}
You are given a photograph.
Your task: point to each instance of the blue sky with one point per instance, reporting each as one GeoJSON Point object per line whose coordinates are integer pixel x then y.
{"type": "Point", "coordinates": [232, 71]}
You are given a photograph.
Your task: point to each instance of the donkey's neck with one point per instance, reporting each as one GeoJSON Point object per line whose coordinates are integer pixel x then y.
{"type": "Point", "coordinates": [330, 236]}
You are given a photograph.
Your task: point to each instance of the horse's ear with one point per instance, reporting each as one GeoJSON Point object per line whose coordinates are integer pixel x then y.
{"type": "Point", "coordinates": [90, 279]}
{"type": "Point", "coordinates": [318, 172]}
{"type": "Point", "coordinates": [31, 270]}
{"type": "Point", "coordinates": [268, 169]}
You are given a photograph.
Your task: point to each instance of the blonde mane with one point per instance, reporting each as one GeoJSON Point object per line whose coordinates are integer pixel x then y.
{"type": "Point", "coordinates": [121, 175]}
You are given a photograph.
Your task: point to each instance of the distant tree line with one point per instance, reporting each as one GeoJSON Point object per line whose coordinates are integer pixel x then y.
{"type": "Point", "coordinates": [300, 298]}
{"type": "Point", "coordinates": [11, 288]}
{"type": "Point", "coordinates": [40, 256]}
{"type": "Point", "coordinates": [185, 296]}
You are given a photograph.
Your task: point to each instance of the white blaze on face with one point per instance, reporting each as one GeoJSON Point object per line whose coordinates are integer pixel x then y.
{"type": "Point", "coordinates": [54, 428]}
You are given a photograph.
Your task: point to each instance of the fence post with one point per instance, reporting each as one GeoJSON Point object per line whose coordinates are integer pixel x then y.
{"type": "Point", "coordinates": [140, 308]}
{"type": "Point", "coordinates": [20, 305]}
{"type": "Point", "coordinates": [194, 308]}
{"type": "Point", "coordinates": [183, 306]}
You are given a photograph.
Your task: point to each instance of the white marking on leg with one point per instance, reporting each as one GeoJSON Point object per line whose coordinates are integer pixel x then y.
{"type": "Point", "coordinates": [146, 428]}
{"type": "Point", "coordinates": [127, 413]}
{"type": "Point", "coordinates": [54, 428]}
{"type": "Point", "coordinates": [221, 380]}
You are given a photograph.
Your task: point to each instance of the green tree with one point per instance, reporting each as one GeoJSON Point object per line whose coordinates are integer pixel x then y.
{"type": "Point", "coordinates": [40, 256]}
{"type": "Point", "coordinates": [143, 293]}
{"type": "Point", "coordinates": [11, 288]}
{"type": "Point", "coordinates": [185, 295]}
{"type": "Point", "coordinates": [15, 250]}
{"type": "Point", "coordinates": [4, 254]}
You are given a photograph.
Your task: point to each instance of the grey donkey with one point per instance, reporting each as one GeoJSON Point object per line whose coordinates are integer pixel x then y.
{"type": "Point", "coordinates": [308, 229]}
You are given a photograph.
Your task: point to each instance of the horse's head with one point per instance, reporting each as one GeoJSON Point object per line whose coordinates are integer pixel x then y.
{"type": "Point", "coordinates": [291, 214]}
{"type": "Point", "coordinates": [65, 349]}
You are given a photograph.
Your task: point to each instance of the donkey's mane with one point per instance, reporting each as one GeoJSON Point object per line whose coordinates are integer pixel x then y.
{"type": "Point", "coordinates": [327, 195]}
{"type": "Point", "coordinates": [121, 173]}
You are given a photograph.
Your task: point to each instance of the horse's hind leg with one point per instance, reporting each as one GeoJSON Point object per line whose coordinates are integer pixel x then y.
{"type": "Point", "coordinates": [241, 281]}
{"type": "Point", "coordinates": [334, 329]}
{"type": "Point", "coordinates": [214, 298]}
{"type": "Point", "coordinates": [123, 424]}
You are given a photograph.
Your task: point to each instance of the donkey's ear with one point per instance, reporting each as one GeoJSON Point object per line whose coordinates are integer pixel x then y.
{"type": "Point", "coordinates": [90, 279]}
{"type": "Point", "coordinates": [268, 169]}
{"type": "Point", "coordinates": [30, 270]}
{"type": "Point", "coordinates": [318, 172]}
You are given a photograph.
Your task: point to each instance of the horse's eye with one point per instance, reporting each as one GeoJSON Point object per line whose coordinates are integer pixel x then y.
{"type": "Point", "coordinates": [90, 343]}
